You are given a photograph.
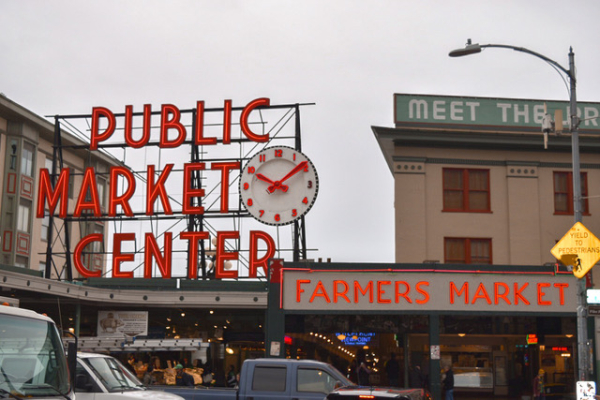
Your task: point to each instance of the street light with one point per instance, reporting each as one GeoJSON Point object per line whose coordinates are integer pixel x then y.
{"type": "Point", "coordinates": [471, 48]}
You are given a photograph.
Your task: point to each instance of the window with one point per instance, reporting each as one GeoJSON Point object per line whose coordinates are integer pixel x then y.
{"type": "Point", "coordinates": [27, 160]}
{"type": "Point", "coordinates": [42, 267]}
{"type": "Point", "coordinates": [563, 193]}
{"type": "Point", "coordinates": [23, 218]}
{"type": "Point", "coordinates": [269, 379]}
{"type": "Point", "coordinates": [466, 190]}
{"type": "Point", "coordinates": [315, 380]}
{"type": "Point", "coordinates": [45, 225]}
{"type": "Point", "coordinates": [468, 251]}
{"type": "Point", "coordinates": [48, 164]}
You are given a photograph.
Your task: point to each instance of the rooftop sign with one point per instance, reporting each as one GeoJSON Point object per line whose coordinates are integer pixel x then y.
{"type": "Point", "coordinates": [483, 113]}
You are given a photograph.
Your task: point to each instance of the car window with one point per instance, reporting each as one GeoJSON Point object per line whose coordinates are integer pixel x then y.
{"type": "Point", "coordinates": [315, 380]}
{"type": "Point", "coordinates": [269, 379]}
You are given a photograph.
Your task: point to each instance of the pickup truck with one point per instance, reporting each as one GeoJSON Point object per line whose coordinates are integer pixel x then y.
{"type": "Point", "coordinates": [273, 378]}
{"type": "Point", "coordinates": [102, 377]}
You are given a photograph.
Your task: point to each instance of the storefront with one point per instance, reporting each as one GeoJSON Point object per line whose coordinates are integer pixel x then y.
{"type": "Point", "coordinates": [495, 325]}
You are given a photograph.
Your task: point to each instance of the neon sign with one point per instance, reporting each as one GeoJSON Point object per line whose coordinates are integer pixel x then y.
{"type": "Point", "coordinates": [54, 187]}
{"type": "Point", "coordinates": [356, 338]}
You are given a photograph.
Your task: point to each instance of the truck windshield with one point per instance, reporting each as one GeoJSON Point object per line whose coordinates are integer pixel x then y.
{"type": "Point", "coordinates": [113, 374]}
{"type": "Point", "coordinates": [32, 360]}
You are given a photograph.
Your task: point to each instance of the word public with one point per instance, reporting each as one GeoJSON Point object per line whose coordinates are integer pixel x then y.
{"type": "Point", "coordinates": [55, 194]}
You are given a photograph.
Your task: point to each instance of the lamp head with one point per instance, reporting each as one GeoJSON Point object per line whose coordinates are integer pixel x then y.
{"type": "Point", "coordinates": [467, 50]}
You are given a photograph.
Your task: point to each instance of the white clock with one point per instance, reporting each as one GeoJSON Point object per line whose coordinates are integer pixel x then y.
{"type": "Point", "coordinates": [278, 185]}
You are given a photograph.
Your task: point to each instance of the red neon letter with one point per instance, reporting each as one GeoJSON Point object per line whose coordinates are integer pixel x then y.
{"type": "Point", "coordinates": [402, 294]}
{"type": "Point", "coordinates": [128, 130]}
{"type": "Point", "coordinates": [337, 293]}
{"type": "Point", "coordinates": [166, 124]}
{"type": "Point", "coordinates": [244, 120]}
{"type": "Point", "coordinates": [481, 293]}
{"type": "Point", "coordinates": [541, 294]}
{"type": "Point", "coordinates": [193, 238]}
{"type": "Point", "coordinates": [152, 250]}
{"type": "Point", "coordinates": [518, 294]}
{"type": "Point", "coordinates": [381, 292]}
{"type": "Point", "coordinates": [225, 167]}
{"type": "Point", "coordinates": [424, 292]}
{"type": "Point", "coordinates": [227, 122]}
{"type": "Point", "coordinates": [95, 137]}
{"type": "Point", "coordinates": [223, 255]}
{"type": "Point", "coordinates": [188, 192]}
{"type": "Point", "coordinates": [561, 289]}
{"type": "Point", "coordinates": [368, 289]}
{"type": "Point", "coordinates": [113, 198]}
{"type": "Point", "coordinates": [88, 185]}
{"type": "Point", "coordinates": [86, 273]}
{"type": "Point", "coordinates": [60, 192]}
{"type": "Point", "coordinates": [503, 295]}
{"type": "Point", "coordinates": [320, 292]}
{"type": "Point", "coordinates": [299, 289]}
{"type": "Point", "coordinates": [464, 289]}
{"type": "Point", "coordinates": [158, 189]}
{"type": "Point", "coordinates": [256, 262]}
{"type": "Point", "coordinates": [119, 257]}
{"type": "Point", "coordinates": [199, 138]}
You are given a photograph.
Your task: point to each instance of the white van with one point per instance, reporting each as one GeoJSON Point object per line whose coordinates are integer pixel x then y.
{"type": "Point", "coordinates": [102, 377]}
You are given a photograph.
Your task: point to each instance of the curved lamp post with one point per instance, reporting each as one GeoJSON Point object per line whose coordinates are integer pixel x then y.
{"type": "Point", "coordinates": [473, 48]}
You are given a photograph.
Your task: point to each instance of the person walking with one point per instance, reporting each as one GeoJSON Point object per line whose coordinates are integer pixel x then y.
{"type": "Point", "coordinates": [392, 368]}
{"type": "Point", "coordinates": [538, 386]}
{"type": "Point", "coordinates": [362, 370]}
{"type": "Point", "coordinates": [231, 377]}
{"type": "Point", "coordinates": [449, 383]}
{"type": "Point", "coordinates": [416, 378]}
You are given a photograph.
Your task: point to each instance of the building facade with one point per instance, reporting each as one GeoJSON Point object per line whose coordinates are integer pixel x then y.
{"type": "Point", "coordinates": [477, 182]}
{"type": "Point", "coordinates": [28, 144]}
{"type": "Point", "coordinates": [474, 182]}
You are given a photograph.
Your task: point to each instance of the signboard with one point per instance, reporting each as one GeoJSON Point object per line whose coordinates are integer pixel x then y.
{"type": "Point", "coordinates": [531, 339]}
{"type": "Point", "coordinates": [579, 248]}
{"type": "Point", "coordinates": [593, 296]}
{"type": "Point", "coordinates": [356, 338]}
{"type": "Point", "coordinates": [586, 390]}
{"type": "Point", "coordinates": [477, 113]}
{"type": "Point", "coordinates": [122, 323]}
{"type": "Point", "coordinates": [434, 352]}
{"type": "Point", "coordinates": [423, 291]}
{"type": "Point", "coordinates": [189, 173]}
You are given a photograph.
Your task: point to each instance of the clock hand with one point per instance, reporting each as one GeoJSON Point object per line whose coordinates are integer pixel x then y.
{"type": "Point", "coordinates": [279, 184]}
{"type": "Point", "coordinates": [264, 178]}
{"type": "Point", "coordinates": [294, 171]}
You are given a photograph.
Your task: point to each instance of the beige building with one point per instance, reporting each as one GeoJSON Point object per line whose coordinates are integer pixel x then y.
{"type": "Point", "coordinates": [474, 182]}
{"type": "Point", "coordinates": [27, 145]}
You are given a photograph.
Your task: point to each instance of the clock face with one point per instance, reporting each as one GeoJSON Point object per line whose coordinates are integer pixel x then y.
{"type": "Point", "coordinates": [278, 185]}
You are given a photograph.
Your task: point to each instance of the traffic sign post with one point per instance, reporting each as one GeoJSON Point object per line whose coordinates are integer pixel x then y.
{"type": "Point", "coordinates": [579, 248]}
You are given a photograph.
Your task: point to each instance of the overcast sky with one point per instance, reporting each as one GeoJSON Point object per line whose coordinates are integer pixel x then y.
{"type": "Point", "coordinates": [349, 57]}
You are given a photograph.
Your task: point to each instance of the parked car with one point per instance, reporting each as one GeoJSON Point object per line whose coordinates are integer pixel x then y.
{"type": "Point", "coordinates": [272, 379]}
{"type": "Point", "coordinates": [377, 393]}
{"type": "Point", "coordinates": [102, 377]}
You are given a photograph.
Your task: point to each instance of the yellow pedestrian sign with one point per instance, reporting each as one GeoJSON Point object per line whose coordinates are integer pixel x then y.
{"type": "Point", "coordinates": [579, 248]}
